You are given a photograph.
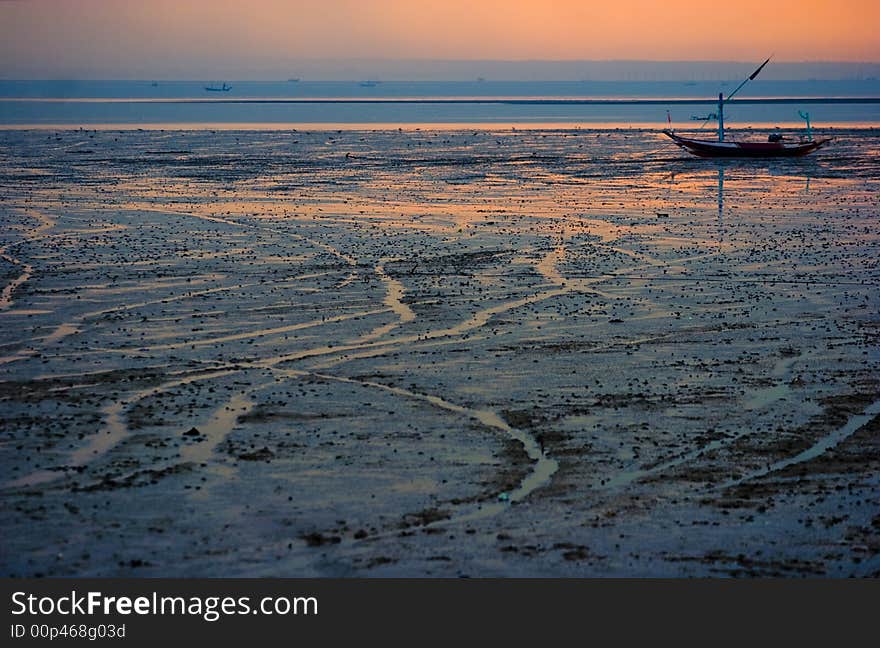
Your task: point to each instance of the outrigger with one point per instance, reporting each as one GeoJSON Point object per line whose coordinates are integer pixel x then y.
{"type": "Point", "coordinates": [775, 146]}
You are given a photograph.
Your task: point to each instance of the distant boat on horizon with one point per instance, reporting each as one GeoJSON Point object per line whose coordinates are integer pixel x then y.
{"type": "Point", "coordinates": [218, 88]}
{"type": "Point", "coordinates": [369, 84]}
{"type": "Point", "coordinates": [296, 80]}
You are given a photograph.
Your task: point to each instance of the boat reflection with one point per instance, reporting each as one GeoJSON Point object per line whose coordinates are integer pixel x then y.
{"type": "Point", "coordinates": [693, 188]}
{"type": "Point", "coordinates": [721, 204]}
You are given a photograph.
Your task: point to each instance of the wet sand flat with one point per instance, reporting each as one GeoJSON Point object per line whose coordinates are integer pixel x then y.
{"type": "Point", "coordinates": [436, 353]}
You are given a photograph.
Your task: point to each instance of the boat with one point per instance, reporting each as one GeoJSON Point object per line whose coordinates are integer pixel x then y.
{"type": "Point", "coordinates": [369, 84]}
{"type": "Point", "coordinates": [220, 88]}
{"type": "Point", "coordinates": [771, 148]}
{"type": "Point", "coordinates": [293, 80]}
{"type": "Point", "coordinates": [775, 146]}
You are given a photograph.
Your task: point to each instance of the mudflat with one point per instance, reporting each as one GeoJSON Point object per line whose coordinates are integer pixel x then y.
{"type": "Point", "coordinates": [436, 353]}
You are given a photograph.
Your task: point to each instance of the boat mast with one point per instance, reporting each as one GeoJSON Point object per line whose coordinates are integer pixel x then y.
{"type": "Point", "coordinates": [721, 98]}
{"type": "Point", "coordinates": [806, 117]}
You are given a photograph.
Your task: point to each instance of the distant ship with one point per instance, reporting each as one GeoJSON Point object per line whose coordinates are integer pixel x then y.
{"type": "Point", "coordinates": [369, 84]}
{"type": "Point", "coordinates": [220, 88]}
{"type": "Point", "coordinates": [293, 80]}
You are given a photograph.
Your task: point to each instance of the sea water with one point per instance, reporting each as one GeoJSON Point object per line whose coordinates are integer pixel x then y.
{"type": "Point", "coordinates": [273, 104]}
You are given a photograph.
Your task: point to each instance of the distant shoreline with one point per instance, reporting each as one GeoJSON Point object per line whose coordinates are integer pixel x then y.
{"type": "Point", "coordinates": [438, 70]}
{"type": "Point", "coordinates": [582, 127]}
{"type": "Point", "coordinates": [510, 101]}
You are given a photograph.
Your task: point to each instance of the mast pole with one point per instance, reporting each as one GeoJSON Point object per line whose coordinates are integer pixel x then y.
{"type": "Point", "coordinates": [751, 77]}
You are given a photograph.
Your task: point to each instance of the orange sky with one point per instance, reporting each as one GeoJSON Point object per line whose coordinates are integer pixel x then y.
{"type": "Point", "coordinates": [105, 35]}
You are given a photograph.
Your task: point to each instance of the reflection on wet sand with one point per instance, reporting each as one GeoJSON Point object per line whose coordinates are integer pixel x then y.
{"type": "Point", "coordinates": [439, 352]}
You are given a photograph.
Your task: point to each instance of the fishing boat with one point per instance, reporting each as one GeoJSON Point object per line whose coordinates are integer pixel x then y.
{"type": "Point", "coordinates": [771, 148]}
{"type": "Point", "coordinates": [218, 88]}
{"type": "Point", "coordinates": [775, 146]}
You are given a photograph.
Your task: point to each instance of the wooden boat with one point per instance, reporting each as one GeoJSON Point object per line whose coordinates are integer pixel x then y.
{"type": "Point", "coordinates": [775, 146]}
{"type": "Point", "coordinates": [778, 148]}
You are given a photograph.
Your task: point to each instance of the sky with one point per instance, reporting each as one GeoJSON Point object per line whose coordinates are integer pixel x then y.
{"type": "Point", "coordinates": [190, 39]}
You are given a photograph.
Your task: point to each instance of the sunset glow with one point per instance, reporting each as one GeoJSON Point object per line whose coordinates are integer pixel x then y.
{"type": "Point", "coordinates": [101, 37]}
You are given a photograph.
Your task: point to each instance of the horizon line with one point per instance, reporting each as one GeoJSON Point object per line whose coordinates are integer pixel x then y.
{"type": "Point", "coordinates": [379, 80]}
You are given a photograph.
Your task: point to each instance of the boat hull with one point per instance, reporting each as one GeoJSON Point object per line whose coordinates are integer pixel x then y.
{"type": "Point", "coordinates": [708, 148]}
